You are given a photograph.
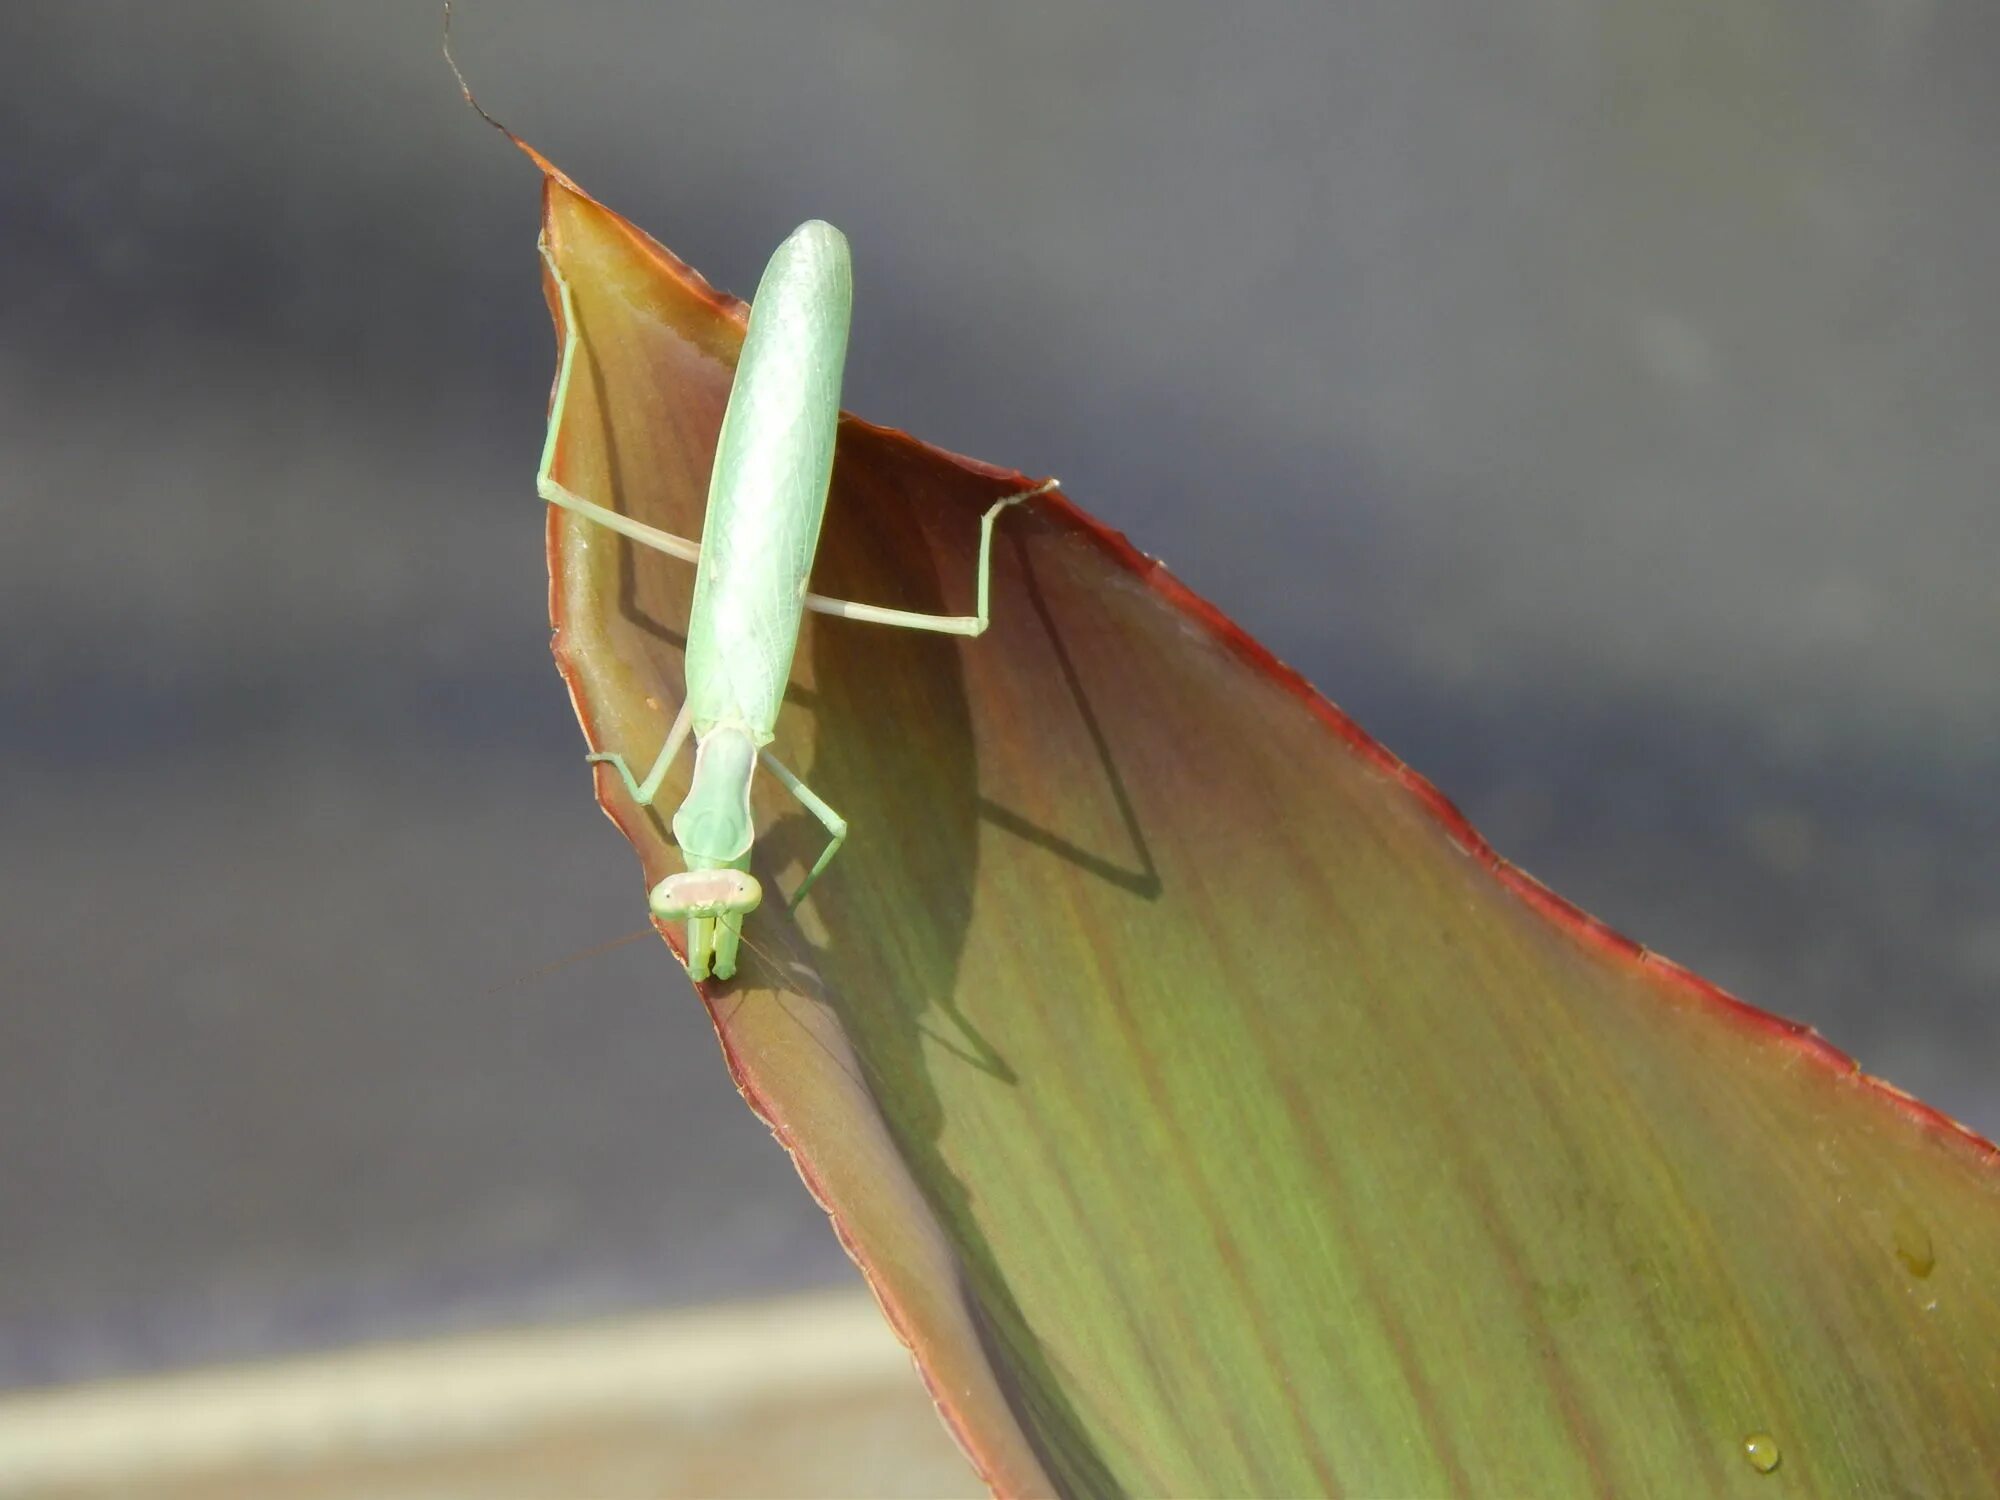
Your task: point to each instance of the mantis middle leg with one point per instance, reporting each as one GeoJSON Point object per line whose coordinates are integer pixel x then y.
{"type": "Point", "coordinates": [813, 803]}
{"type": "Point", "coordinates": [643, 792]}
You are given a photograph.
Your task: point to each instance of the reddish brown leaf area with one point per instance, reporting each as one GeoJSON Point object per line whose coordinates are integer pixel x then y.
{"type": "Point", "coordinates": [1210, 1108]}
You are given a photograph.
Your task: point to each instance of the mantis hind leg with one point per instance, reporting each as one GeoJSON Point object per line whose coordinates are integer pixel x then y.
{"type": "Point", "coordinates": [969, 625]}
{"type": "Point", "coordinates": [813, 803]}
{"type": "Point", "coordinates": [545, 481]}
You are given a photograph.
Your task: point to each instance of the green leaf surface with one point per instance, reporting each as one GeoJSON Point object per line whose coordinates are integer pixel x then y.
{"type": "Point", "coordinates": [1209, 1107]}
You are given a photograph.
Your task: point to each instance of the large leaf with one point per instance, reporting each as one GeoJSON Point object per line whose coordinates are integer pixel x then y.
{"type": "Point", "coordinates": [1209, 1107]}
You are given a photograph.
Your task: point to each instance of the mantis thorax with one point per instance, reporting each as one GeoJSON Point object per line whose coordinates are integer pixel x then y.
{"type": "Point", "coordinates": [713, 825]}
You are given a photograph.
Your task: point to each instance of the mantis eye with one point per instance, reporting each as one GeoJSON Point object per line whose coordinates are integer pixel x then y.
{"type": "Point", "coordinates": [705, 893]}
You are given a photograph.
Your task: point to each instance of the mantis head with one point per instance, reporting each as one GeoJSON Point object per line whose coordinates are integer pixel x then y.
{"type": "Point", "coordinates": [714, 831]}
{"type": "Point", "coordinates": [712, 902]}
{"type": "Point", "coordinates": [696, 894]}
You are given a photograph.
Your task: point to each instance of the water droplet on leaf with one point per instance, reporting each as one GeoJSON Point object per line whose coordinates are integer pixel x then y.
{"type": "Point", "coordinates": [1761, 1449]}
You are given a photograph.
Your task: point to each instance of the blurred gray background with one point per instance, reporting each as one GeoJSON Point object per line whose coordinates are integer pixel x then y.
{"type": "Point", "coordinates": [1600, 401]}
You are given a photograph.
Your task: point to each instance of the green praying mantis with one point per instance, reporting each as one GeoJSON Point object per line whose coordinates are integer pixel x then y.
{"type": "Point", "coordinates": [766, 500]}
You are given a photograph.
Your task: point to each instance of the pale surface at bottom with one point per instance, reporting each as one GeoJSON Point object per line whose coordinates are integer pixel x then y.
{"type": "Point", "coordinates": [804, 1397]}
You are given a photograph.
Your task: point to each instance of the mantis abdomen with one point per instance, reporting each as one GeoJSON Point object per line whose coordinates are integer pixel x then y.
{"type": "Point", "coordinates": [767, 492]}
